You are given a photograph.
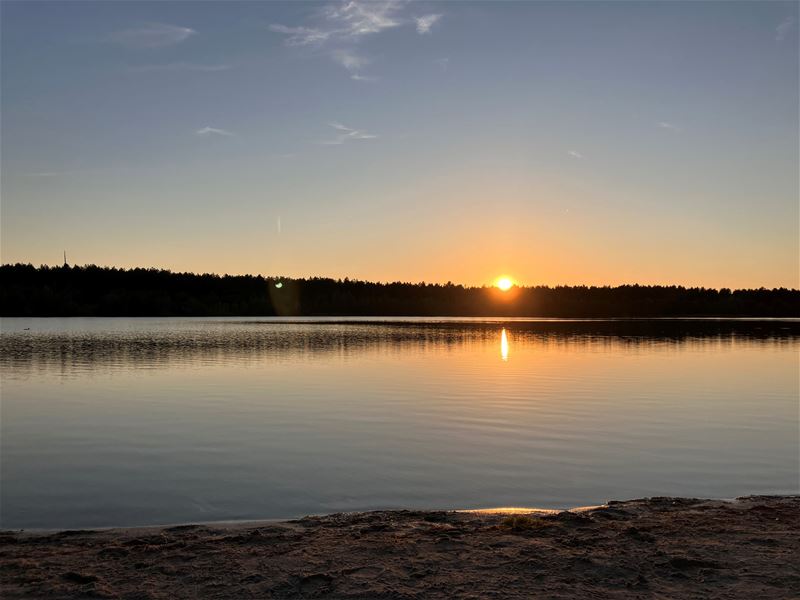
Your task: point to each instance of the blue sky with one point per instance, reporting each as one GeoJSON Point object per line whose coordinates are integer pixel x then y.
{"type": "Point", "coordinates": [559, 142]}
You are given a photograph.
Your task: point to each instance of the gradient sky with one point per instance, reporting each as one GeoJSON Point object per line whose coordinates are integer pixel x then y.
{"type": "Point", "coordinates": [558, 143]}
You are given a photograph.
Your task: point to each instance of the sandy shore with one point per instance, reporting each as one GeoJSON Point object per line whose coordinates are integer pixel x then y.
{"type": "Point", "coordinates": [651, 548]}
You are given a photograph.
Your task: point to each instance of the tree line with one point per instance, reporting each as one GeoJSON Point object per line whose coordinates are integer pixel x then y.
{"type": "Point", "coordinates": [91, 290]}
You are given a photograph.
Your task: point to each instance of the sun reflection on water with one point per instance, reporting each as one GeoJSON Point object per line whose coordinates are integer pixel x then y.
{"type": "Point", "coordinates": [504, 344]}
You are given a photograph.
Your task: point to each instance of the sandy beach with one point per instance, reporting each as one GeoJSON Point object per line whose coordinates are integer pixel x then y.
{"type": "Point", "coordinates": [647, 548]}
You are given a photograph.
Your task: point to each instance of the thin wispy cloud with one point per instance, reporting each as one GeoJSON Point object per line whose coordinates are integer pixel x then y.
{"type": "Point", "coordinates": [444, 63]}
{"type": "Point", "coordinates": [208, 131]}
{"type": "Point", "coordinates": [152, 35]}
{"type": "Point", "coordinates": [350, 60]}
{"type": "Point", "coordinates": [425, 23]}
{"type": "Point", "coordinates": [344, 22]}
{"type": "Point", "coordinates": [357, 77]}
{"type": "Point", "coordinates": [783, 29]}
{"type": "Point", "coordinates": [337, 28]}
{"type": "Point", "coordinates": [575, 154]}
{"type": "Point", "coordinates": [666, 125]}
{"type": "Point", "coordinates": [301, 36]}
{"type": "Point", "coordinates": [346, 134]}
{"type": "Point", "coordinates": [356, 18]}
{"type": "Point", "coordinates": [71, 172]}
{"type": "Point", "coordinates": [179, 66]}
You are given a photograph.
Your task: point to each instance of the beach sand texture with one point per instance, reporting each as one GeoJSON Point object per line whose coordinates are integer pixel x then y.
{"type": "Point", "coordinates": [647, 548]}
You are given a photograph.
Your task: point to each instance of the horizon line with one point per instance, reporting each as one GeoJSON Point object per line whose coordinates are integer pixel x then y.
{"type": "Point", "coordinates": [516, 285]}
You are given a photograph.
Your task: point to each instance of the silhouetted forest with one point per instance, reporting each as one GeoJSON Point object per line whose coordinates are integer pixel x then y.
{"type": "Point", "coordinates": [26, 290]}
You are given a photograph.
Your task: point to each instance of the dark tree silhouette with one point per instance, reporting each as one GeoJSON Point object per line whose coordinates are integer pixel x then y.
{"type": "Point", "coordinates": [103, 291]}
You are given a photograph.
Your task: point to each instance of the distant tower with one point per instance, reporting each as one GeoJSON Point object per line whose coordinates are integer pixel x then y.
{"type": "Point", "coordinates": [65, 259]}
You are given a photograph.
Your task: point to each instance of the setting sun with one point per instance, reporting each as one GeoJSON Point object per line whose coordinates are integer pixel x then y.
{"type": "Point", "coordinates": [504, 283]}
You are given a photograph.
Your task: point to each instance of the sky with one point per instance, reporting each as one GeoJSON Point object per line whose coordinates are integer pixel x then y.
{"type": "Point", "coordinates": [551, 142]}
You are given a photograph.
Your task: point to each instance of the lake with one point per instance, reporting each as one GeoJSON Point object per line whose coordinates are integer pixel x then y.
{"type": "Point", "coordinates": [118, 421]}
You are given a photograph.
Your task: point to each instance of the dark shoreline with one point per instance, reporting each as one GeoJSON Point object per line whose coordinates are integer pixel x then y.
{"type": "Point", "coordinates": [106, 291]}
{"type": "Point", "coordinates": [653, 547]}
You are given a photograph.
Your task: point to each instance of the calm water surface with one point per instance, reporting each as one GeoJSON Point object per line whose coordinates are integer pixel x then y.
{"type": "Point", "coordinates": [144, 421]}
